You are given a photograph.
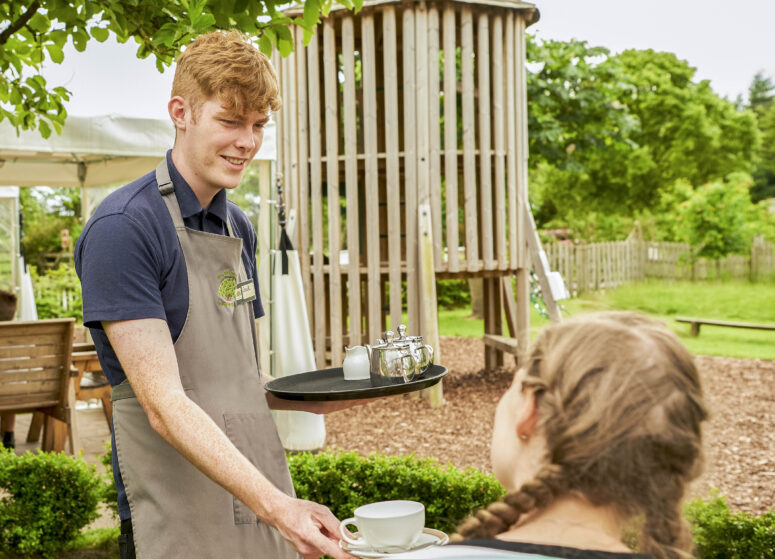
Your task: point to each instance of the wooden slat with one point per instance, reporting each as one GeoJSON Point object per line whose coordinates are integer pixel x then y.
{"type": "Point", "coordinates": [410, 167]}
{"type": "Point", "coordinates": [330, 72]}
{"type": "Point", "coordinates": [37, 329]}
{"type": "Point", "coordinates": [522, 139]}
{"type": "Point", "coordinates": [421, 106]}
{"type": "Point", "coordinates": [469, 155]}
{"type": "Point", "coordinates": [509, 305]}
{"type": "Point", "coordinates": [303, 224]}
{"type": "Point", "coordinates": [511, 140]}
{"type": "Point", "coordinates": [264, 264]}
{"type": "Point", "coordinates": [291, 142]}
{"type": "Point", "coordinates": [499, 186]}
{"type": "Point", "coordinates": [49, 373]}
{"type": "Point", "coordinates": [450, 138]}
{"type": "Point", "coordinates": [316, 180]}
{"type": "Point", "coordinates": [30, 363]}
{"type": "Point", "coordinates": [501, 343]}
{"type": "Point", "coordinates": [430, 332]}
{"type": "Point", "coordinates": [39, 389]}
{"type": "Point", "coordinates": [351, 182]}
{"type": "Point", "coordinates": [11, 351]}
{"type": "Point", "coordinates": [434, 130]}
{"type": "Point", "coordinates": [22, 402]}
{"type": "Point", "coordinates": [484, 144]}
{"type": "Point", "coordinates": [11, 340]}
{"type": "Point", "coordinates": [369, 82]}
{"type": "Point", "coordinates": [392, 173]}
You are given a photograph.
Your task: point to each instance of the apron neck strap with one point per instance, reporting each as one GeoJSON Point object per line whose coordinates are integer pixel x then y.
{"type": "Point", "coordinates": [167, 191]}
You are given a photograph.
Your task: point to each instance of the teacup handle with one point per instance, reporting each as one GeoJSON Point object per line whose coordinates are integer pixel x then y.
{"type": "Point", "coordinates": [344, 533]}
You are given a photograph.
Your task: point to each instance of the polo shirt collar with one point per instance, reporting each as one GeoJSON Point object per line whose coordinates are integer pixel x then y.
{"type": "Point", "coordinates": [187, 200]}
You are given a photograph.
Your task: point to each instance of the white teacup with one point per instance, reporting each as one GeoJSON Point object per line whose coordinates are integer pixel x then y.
{"type": "Point", "coordinates": [386, 524]}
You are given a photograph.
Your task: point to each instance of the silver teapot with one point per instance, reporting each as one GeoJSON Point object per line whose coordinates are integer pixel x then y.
{"type": "Point", "coordinates": [394, 360]}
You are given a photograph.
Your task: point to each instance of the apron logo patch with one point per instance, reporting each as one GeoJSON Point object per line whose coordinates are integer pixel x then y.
{"type": "Point", "coordinates": [227, 288]}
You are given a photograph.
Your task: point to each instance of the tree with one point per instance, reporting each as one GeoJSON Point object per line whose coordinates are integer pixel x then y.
{"type": "Point", "coordinates": [689, 131]}
{"type": "Point", "coordinates": [715, 219]}
{"type": "Point", "coordinates": [38, 30]}
{"type": "Point", "coordinates": [761, 99]}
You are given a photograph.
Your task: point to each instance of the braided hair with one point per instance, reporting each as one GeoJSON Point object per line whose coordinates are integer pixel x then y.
{"type": "Point", "coordinates": [620, 404]}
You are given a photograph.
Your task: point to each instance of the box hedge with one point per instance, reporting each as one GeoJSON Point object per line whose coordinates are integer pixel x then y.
{"type": "Point", "coordinates": [345, 481]}
{"type": "Point", "coordinates": [47, 498]}
{"type": "Point", "coordinates": [720, 533]}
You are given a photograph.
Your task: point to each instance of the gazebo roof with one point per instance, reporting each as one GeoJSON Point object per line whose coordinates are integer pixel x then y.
{"type": "Point", "coordinates": [533, 15]}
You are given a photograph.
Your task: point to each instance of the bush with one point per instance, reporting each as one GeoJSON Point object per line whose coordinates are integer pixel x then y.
{"type": "Point", "coordinates": [48, 498]}
{"type": "Point", "coordinates": [453, 294]}
{"type": "Point", "coordinates": [718, 532]}
{"type": "Point", "coordinates": [109, 494]}
{"type": "Point", "coordinates": [345, 481]}
{"type": "Point", "coordinates": [49, 290]}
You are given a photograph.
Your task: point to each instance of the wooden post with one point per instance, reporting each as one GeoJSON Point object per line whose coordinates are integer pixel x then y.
{"type": "Point", "coordinates": [435, 394]}
{"type": "Point", "coordinates": [450, 138]}
{"type": "Point", "coordinates": [316, 183]}
{"type": "Point", "coordinates": [469, 156]}
{"type": "Point", "coordinates": [330, 76]}
{"type": "Point", "coordinates": [393, 176]}
{"type": "Point", "coordinates": [351, 182]}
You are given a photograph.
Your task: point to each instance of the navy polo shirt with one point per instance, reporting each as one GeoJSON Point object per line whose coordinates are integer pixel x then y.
{"type": "Point", "coordinates": [131, 264]}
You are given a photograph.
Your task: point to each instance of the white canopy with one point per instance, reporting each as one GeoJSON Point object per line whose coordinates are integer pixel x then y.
{"type": "Point", "coordinates": [92, 151]}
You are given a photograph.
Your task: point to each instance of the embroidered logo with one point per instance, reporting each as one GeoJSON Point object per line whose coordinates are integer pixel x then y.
{"type": "Point", "coordinates": [226, 288]}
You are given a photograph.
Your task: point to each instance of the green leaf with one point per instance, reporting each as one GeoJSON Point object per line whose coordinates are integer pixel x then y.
{"type": "Point", "coordinates": [39, 23]}
{"type": "Point", "coordinates": [311, 13]}
{"type": "Point", "coordinates": [55, 53]}
{"type": "Point", "coordinates": [100, 33]}
{"type": "Point", "coordinates": [45, 129]}
{"type": "Point", "coordinates": [265, 45]}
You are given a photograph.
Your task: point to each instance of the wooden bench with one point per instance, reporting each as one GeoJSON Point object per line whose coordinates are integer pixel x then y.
{"type": "Point", "coordinates": [35, 376]}
{"type": "Point", "coordinates": [695, 324]}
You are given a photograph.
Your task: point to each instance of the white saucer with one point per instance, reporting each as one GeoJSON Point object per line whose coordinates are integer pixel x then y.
{"type": "Point", "coordinates": [429, 537]}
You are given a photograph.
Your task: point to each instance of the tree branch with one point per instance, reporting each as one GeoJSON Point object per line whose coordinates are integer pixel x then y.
{"type": "Point", "coordinates": [19, 23]}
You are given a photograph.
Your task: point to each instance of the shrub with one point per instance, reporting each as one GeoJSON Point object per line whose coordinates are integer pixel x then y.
{"type": "Point", "coordinates": [345, 481]}
{"type": "Point", "coordinates": [453, 294]}
{"type": "Point", "coordinates": [109, 494]}
{"type": "Point", "coordinates": [50, 290]}
{"type": "Point", "coordinates": [718, 532]}
{"type": "Point", "coordinates": [48, 498]}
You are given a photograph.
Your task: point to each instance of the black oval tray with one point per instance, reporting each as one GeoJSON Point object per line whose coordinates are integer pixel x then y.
{"type": "Point", "coordinates": [329, 384]}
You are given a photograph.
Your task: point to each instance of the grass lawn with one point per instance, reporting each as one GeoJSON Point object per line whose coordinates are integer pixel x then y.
{"type": "Point", "coordinates": [731, 300]}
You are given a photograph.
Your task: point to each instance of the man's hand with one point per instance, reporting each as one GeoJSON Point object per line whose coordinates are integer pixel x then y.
{"type": "Point", "coordinates": [309, 527]}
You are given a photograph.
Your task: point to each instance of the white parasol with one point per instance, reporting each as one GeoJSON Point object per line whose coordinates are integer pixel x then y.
{"type": "Point", "coordinates": [292, 341]}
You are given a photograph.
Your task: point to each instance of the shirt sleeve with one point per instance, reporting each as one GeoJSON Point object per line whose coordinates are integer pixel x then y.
{"type": "Point", "coordinates": [120, 271]}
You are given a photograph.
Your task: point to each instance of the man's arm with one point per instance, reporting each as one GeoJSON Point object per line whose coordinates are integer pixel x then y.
{"type": "Point", "coordinates": [146, 353]}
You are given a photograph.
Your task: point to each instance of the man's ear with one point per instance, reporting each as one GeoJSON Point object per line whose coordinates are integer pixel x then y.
{"type": "Point", "coordinates": [177, 107]}
{"type": "Point", "coordinates": [527, 419]}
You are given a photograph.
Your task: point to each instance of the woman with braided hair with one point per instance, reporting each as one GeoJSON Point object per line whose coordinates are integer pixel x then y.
{"type": "Point", "coordinates": [600, 427]}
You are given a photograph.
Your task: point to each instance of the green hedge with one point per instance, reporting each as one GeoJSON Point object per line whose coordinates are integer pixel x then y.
{"type": "Point", "coordinates": [47, 499]}
{"type": "Point", "coordinates": [721, 533]}
{"type": "Point", "coordinates": [345, 481]}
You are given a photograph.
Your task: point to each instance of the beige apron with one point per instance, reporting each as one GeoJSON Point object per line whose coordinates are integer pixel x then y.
{"type": "Point", "coordinates": [177, 511]}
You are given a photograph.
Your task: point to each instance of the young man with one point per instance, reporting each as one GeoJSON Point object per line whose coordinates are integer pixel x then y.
{"type": "Point", "coordinates": [197, 460]}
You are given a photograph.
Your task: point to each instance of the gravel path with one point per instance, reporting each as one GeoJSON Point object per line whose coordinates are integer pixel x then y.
{"type": "Point", "coordinates": [739, 437]}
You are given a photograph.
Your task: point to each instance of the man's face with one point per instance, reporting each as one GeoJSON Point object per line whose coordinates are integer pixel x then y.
{"type": "Point", "coordinates": [217, 145]}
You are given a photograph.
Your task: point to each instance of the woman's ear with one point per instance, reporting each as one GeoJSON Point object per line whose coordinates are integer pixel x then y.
{"type": "Point", "coordinates": [527, 418]}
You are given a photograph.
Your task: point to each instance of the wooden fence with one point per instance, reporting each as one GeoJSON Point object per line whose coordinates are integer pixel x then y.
{"type": "Point", "coordinates": [607, 265]}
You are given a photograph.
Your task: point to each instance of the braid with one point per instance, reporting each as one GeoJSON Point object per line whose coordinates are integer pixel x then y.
{"type": "Point", "coordinates": [665, 534]}
{"type": "Point", "coordinates": [498, 516]}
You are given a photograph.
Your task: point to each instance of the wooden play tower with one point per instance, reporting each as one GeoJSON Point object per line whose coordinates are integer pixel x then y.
{"type": "Point", "coordinates": [402, 143]}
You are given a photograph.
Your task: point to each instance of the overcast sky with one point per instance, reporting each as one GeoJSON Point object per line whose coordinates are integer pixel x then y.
{"type": "Point", "coordinates": [728, 42]}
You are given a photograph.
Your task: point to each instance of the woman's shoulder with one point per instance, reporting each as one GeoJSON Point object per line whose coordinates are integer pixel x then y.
{"type": "Point", "coordinates": [500, 549]}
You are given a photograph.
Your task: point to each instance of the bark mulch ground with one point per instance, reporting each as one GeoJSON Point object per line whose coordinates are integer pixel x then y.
{"type": "Point", "coordinates": [739, 436]}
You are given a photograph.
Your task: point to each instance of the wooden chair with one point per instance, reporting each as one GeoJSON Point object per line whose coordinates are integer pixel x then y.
{"type": "Point", "coordinates": [35, 376]}
{"type": "Point", "coordinates": [93, 385]}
